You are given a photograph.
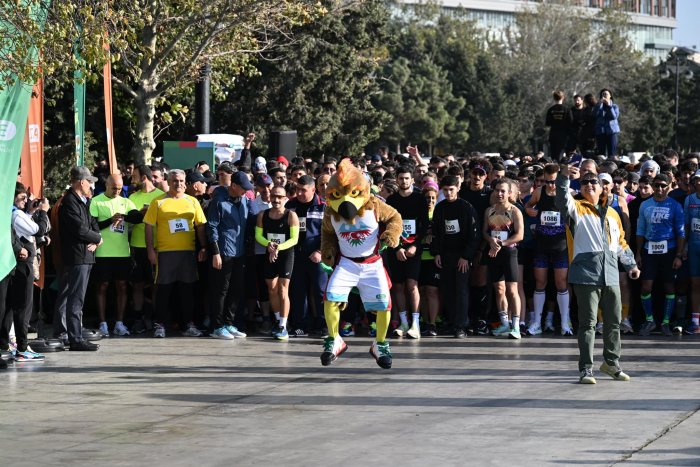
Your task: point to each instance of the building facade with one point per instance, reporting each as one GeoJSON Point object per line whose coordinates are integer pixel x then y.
{"type": "Point", "coordinates": [651, 21]}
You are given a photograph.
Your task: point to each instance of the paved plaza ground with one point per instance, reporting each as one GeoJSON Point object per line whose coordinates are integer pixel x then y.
{"type": "Point", "coordinates": [253, 401]}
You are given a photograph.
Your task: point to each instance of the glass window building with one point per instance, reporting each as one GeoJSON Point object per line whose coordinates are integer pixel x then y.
{"type": "Point", "coordinates": [651, 21]}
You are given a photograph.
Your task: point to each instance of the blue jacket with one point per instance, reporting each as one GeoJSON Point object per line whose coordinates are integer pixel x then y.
{"type": "Point", "coordinates": [606, 119]}
{"type": "Point", "coordinates": [310, 233]}
{"type": "Point", "coordinates": [226, 225]}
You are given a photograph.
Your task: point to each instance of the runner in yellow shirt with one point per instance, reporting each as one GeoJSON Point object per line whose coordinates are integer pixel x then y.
{"type": "Point", "coordinates": [177, 217]}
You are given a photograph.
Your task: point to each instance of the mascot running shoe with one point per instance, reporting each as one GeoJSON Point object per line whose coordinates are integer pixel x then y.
{"type": "Point", "coordinates": [355, 226]}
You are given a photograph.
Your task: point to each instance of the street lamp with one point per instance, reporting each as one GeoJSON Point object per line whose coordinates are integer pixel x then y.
{"type": "Point", "coordinates": [680, 55]}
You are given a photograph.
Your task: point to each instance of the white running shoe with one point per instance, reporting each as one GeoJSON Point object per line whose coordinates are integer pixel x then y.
{"type": "Point", "coordinates": [192, 331]}
{"type": "Point", "coordinates": [626, 326]}
{"type": "Point", "coordinates": [401, 331]}
{"type": "Point", "coordinates": [104, 330]}
{"type": "Point", "coordinates": [233, 330]}
{"type": "Point", "coordinates": [120, 329]}
{"type": "Point", "coordinates": [414, 331]}
{"type": "Point", "coordinates": [534, 330]}
{"type": "Point", "coordinates": [158, 330]}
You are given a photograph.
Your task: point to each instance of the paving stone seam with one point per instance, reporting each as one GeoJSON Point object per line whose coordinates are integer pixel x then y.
{"type": "Point", "coordinates": [667, 429]}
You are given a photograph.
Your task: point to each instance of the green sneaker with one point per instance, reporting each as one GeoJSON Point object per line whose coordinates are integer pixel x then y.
{"type": "Point", "coordinates": [381, 353]}
{"type": "Point", "coordinates": [587, 377]}
{"type": "Point", "coordinates": [614, 372]}
{"type": "Point", "coordinates": [514, 333]}
{"type": "Point", "coordinates": [502, 330]}
{"type": "Point", "coordinates": [333, 347]}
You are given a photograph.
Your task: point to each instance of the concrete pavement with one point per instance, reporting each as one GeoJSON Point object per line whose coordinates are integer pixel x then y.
{"type": "Point", "coordinates": [253, 401]}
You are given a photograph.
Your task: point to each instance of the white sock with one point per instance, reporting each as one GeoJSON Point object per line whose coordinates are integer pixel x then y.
{"type": "Point", "coordinates": [277, 315]}
{"type": "Point", "coordinates": [283, 322]}
{"type": "Point", "coordinates": [696, 319]}
{"type": "Point", "coordinates": [563, 302]}
{"type": "Point", "coordinates": [503, 315]}
{"type": "Point", "coordinates": [404, 319]}
{"type": "Point", "coordinates": [416, 319]}
{"type": "Point", "coordinates": [538, 300]}
{"type": "Point", "coordinates": [516, 322]}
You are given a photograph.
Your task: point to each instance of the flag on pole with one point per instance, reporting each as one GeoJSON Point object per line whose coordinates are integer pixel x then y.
{"type": "Point", "coordinates": [79, 117]}
{"type": "Point", "coordinates": [107, 82]}
{"type": "Point", "coordinates": [14, 107]}
{"type": "Point", "coordinates": [79, 103]}
{"type": "Point", "coordinates": [32, 160]}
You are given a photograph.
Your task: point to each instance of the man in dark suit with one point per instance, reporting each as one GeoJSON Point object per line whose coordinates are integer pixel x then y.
{"type": "Point", "coordinates": [80, 237]}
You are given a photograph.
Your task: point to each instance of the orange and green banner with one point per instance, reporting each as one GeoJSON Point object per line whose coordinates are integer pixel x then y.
{"type": "Point", "coordinates": [107, 83]}
{"type": "Point", "coordinates": [14, 108]}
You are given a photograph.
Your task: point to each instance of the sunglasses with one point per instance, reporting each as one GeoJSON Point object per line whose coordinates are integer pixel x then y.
{"type": "Point", "coordinates": [551, 182]}
{"type": "Point", "coordinates": [618, 181]}
{"type": "Point", "coordinates": [591, 181]}
{"type": "Point", "coordinates": [660, 185]}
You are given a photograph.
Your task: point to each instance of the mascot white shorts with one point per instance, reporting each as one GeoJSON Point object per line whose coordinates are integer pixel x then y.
{"type": "Point", "coordinates": [370, 278]}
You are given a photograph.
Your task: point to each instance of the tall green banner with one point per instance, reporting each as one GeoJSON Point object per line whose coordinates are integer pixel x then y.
{"type": "Point", "coordinates": [14, 107]}
{"type": "Point", "coordinates": [79, 117]}
{"type": "Point", "coordinates": [79, 107]}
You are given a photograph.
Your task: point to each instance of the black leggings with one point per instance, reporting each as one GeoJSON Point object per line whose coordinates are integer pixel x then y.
{"type": "Point", "coordinates": [185, 293]}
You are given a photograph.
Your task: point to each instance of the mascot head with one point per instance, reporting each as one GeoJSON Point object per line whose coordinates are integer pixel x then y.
{"type": "Point", "coordinates": [348, 192]}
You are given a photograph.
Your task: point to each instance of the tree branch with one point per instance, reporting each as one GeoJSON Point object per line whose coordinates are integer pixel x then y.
{"type": "Point", "coordinates": [125, 87]}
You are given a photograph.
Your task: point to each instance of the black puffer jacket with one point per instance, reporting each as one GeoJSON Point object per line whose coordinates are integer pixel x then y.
{"type": "Point", "coordinates": [78, 229]}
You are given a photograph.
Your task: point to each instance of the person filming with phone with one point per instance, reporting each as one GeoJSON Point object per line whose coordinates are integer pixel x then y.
{"type": "Point", "coordinates": [607, 128]}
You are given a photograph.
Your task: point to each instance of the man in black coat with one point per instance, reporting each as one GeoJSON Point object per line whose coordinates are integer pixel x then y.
{"type": "Point", "coordinates": [559, 121]}
{"type": "Point", "coordinates": [80, 237]}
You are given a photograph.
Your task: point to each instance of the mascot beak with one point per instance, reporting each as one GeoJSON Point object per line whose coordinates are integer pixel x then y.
{"type": "Point", "coordinates": [347, 206]}
{"type": "Point", "coordinates": [347, 210]}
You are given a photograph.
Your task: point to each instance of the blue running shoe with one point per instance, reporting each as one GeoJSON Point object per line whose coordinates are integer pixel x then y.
{"type": "Point", "coordinates": [346, 330]}
{"type": "Point", "coordinates": [233, 330]}
{"type": "Point", "coordinates": [28, 356]}
{"type": "Point", "coordinates": [372, 330]}
{"type": "Point", "coordinates": [221, 333]}
{"type": "Point", "coordinates": [281, 334]}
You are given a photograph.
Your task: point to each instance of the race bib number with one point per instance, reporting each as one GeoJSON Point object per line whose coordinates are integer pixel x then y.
{"type": "Point", "coordinates": [302, 224]}
{"type": "Point", "coordinates": [657, 248]}
{"type": "Point", "coordinates": [696, 225]}
{"type": "Point", "coordinates": [117, 228]}
{"type": "Point", "coordinates": [502, 235]}
{"type": "Point", "coordinates": [409, 226]}
{"type": "Point", "coordinates": [550, 218]}
{"type": "Point", "coordinates": [276, 238]}
{"type": "Point", "coordinates": [178, 225]}
{"type": "Point", "coordinates": [452, 227]}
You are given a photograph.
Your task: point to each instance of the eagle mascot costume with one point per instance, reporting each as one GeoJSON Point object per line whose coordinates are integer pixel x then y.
{"type": "Point", "coordinates": [355, 226]}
